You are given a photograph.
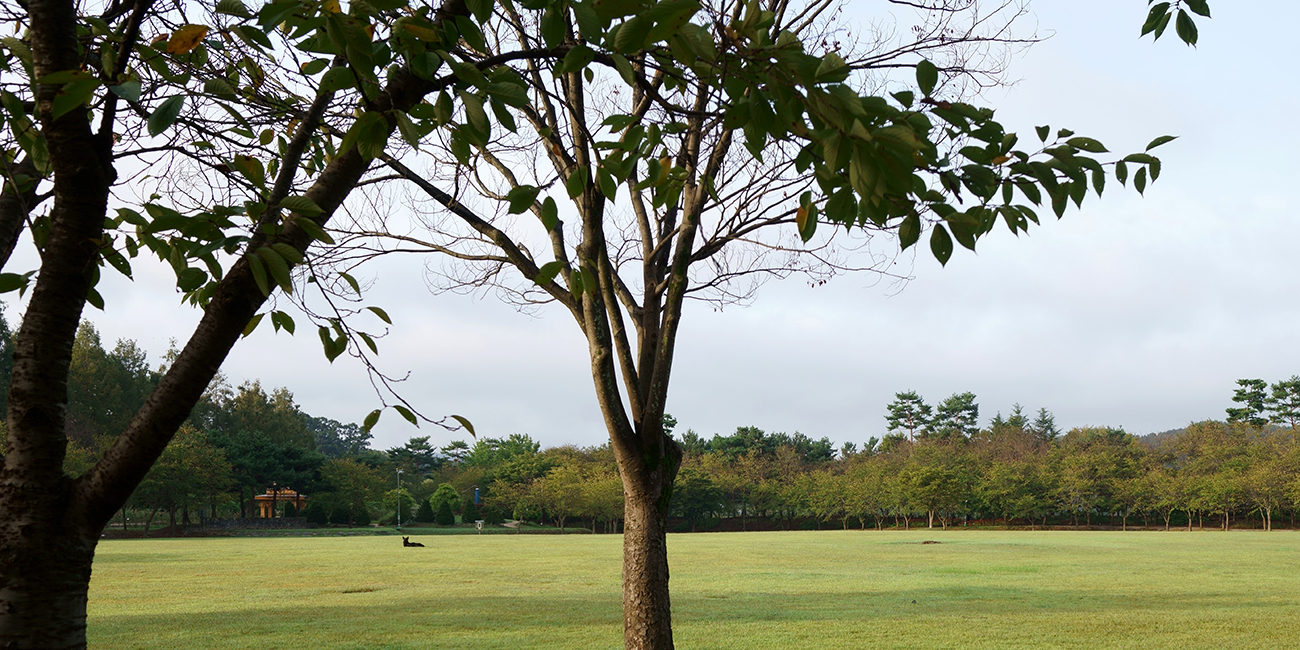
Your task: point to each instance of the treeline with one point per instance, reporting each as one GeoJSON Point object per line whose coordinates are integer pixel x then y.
{"type": "Point", "coordinates": [936, 466]}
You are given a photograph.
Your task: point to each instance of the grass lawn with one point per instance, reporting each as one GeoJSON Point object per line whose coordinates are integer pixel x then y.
{"type": "Point", "coordinates": [834, 589]}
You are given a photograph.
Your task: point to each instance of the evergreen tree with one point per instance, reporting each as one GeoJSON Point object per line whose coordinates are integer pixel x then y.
{"type": "Point", "coordinates": [1284, 402]}
{"type": "Point", "coordinates": [361, 516]}
{"type": "Point", "coordinates": [492, 515]}
{"type": "Point", "coordinates": [909, 414]}
{"type": "Point", "coordinates": [1253, 400]}
{"type": "Point", "coordinates": [425, 514]}
{"type": "Point", "coordinates": [1044, 426]}
{"type": "Point", "coordinates": [340, 516]}
{"type": "Point", "coordinates": [1018, 419]}
{"type": "Point", "coordinates": [445, 516]}
{"type": "Point", "coordinates": [470, 513]}
{"type": "Point", "coordinates": [956, 417]}
{"type": "Point", "coordinates": [316, 513]}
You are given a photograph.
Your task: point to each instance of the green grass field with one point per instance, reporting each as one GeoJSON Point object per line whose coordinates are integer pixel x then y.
{"type": "Point", "coordinates": [834, 589]}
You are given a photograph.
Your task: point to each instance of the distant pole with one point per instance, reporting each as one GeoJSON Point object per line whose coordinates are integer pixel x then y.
{"type": "Point", "coordinates": [476, 502]}
{"type": "Point", "coordinates": [399, 499]}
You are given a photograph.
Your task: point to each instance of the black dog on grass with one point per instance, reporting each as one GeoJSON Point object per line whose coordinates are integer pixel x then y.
{"type": "Point", "coordinates": [406, 541]}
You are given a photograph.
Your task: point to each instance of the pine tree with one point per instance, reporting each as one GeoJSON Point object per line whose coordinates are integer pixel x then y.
{"type": "Point", "coordinates": [1253, 401]}
{"type": "Point", "coordinates": [908, 413]}
{"type": "Point", "coordinates": [957, 416]}
{"type": "Point", "coordinates": [470, 513]}
{"type": "Point", "coordinates": [445, 516]}
{"type": "Point", "coordinates": [1044, 426]}
{"type": "Point", "coordinates": [1284, 404]}
{"type": "Point", "coordinates": [425, 514]}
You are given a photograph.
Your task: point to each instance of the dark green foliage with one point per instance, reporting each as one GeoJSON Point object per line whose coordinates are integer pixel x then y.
{"type": "Point", "coordinates": [340, 516]}
{"type": "Point", "coordinates": [491, 515]}
{"type": "Point", "coordinates": [445, 516]}
{"type": "Point", "coordinates": [470, 513]}
{"type": "Point", "coordinates": [290, 510]}
{"type": "Point", "coordinates": [316, 514]}
{"type": "Point", "coordinates": [361, 517]}
{"type": "Point", "coordinates": [425, 514]}
{"type": "Point", "coordinates": [695, 496]}
{"type": "Point", "coordinates": [1253, 399]}
{"type": "Point", "coordinates": [908, 414]}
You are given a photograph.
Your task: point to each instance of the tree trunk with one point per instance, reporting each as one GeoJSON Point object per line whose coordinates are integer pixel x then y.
{"type": "Point", "coordinates": [647, 612]}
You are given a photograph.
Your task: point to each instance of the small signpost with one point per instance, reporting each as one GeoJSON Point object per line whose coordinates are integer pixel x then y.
{"type": "Point", "coordinates": [478, 523]}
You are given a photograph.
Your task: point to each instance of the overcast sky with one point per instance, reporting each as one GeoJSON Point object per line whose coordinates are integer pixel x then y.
{"type": "Point", "coordinates": [1134, 312]}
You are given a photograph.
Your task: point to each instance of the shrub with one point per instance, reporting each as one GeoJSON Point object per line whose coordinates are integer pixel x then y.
{"type": "Point", "coordinates": [470, 514]}
{"type": "Point", "coordinates": [492, 515]}
{"type": "Point", "coordinates": [445, 516]}
{"type": "Point", "coordinates": [290, 510]}
{"type": "Point", "coordinates": [316, 514]}
{"type": "Point", "coordinates": [361, 516]}
{"type": "Point", "coordinates": [339, 516]}
{"type": "Point", "coordinates": [425, 513]}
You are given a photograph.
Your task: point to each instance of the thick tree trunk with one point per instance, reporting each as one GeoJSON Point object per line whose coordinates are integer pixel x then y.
{"type": "Point", "coordinates": [647, 611]}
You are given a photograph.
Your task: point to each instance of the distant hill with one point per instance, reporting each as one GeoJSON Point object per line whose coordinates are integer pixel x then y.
{"type": "Point", "coordinates": [1153, 440]}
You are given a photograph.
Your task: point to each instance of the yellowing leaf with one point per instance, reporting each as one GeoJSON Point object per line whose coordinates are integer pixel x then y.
{"type": "Point", "coordinates": [186, 38]}
{"type": "Point", "coordinates": [331, 6]}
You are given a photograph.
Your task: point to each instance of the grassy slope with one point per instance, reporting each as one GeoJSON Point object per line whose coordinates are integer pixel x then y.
{"type": "Point", "coordinates": [978, 589]}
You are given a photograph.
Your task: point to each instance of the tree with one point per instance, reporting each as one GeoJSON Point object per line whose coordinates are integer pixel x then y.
{"type": "Point", "coordinates": [446, 493]}
{"type": "Point", "coordinates": [354, 484]}
{"type": "Point", "coordinates": [695, 496]}
{"type": "Point", "coordinates": [1284, 402]}
{"type": "Point", "coordinates": [470, 512]}
{"type": "Point", "coordinates": [445, 516]}
{"type": "Point", "coordinates": [1044, 426]}
{"type": "Point", "coordinates": [338, 440]}
{"type": "Point", "coordinates": [956, 417]}
{"type": "Point", "coordinates": [908, 413]}
{"type": "Point", "coordinates": [1253, 400]}
{"type": "Point", "coordinates": [425, 514]}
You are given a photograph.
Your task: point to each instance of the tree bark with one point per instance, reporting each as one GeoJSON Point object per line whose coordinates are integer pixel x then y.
{"type": "Point", "coordinates": [647, 611]}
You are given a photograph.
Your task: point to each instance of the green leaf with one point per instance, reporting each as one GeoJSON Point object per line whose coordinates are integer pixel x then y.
{"type": "Point", "coordinates": [1121, 172]}
{"type": "Point", "coordinates": [553, 26]}
{"type": "Point", "coordinates": [314, 66]}
{"type": "Point", "coordinates": [95, 300]}
{"type": "Point", "coordinates": [941, 244]}
{"type": "Point", "coordinates": [12, 282]}
{"type": "Point", "coordinates": [301, 205]}
{"type": "Point", "coordinates": [1199, 7]}
{"type": "Point", "coordinates": [289, 253]}
{"type": "Point", "coordinates": [1043, 132]}
{"type": "Point", "coordinates": [283, 320]}
{"type": "Point", "coordinates": [909, 231]}
{"type": "Point", "coordinates": [1185, 27]}
{"type": "Point", "coordinates": [1140, 180]}
{"type": "Point", "coordinates": [166, 114]}
{"type": "Point", "coordinates": [259, 273]}
{"type": "Point", "coordinates": [576, 182]}
{"type": "Point", "coordinates": [371, 420]}
{"type": "Point", "coordinates": [1164, 139]}
{"type": "Point", "coordinates": [406, 413]}
{"type": "Point", "coordinates": [128, 90]}
{"type": "Point", "coordinates": [277, 267]}
{"type": "Point", "coordinates": [73, 95]}
{"type": "Point", "coordinates": [1086, 144]}
{"type": "Point", "coordinates": [926, 77]}
{"type": "Point", "coordinates": [252, 324]}
{"type": "Point", "coordinates": [383, 315]}
{"type": "Point", "coordinates": [548, 272]}
{"type": "Point", "coordinates": [465, 423]}
{"type": "Point", "coordinates": [521, 198]}
{"type": "Point", "coordinates": [1158, 13]}
{"type": "Point", "coordinates": [233, 8]}
{"type": "Point", "coordinates": [550, 214]}
{"type": "Point", "coordinates": [369, 134]}
{"type": "Point", "coordinates": [337, 79]}
{"type": "Point", "coordinates": [352, 282]}
{"type": "Point", "coordinates": [370, 342]}
{"type": "Point", "coordinates": [312, 229]}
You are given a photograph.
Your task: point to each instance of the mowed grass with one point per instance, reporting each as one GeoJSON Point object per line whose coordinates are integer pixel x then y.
{"type": "Point", "coordinates": [833, 589]}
